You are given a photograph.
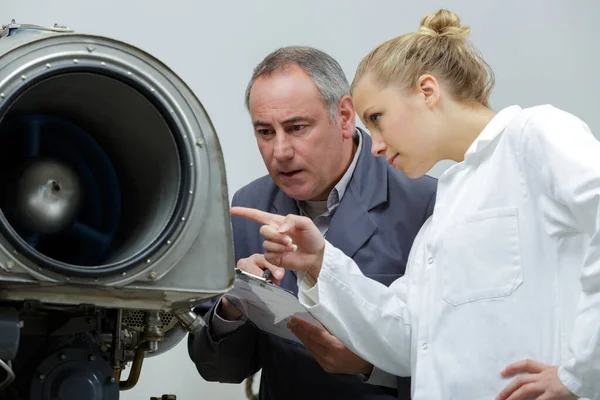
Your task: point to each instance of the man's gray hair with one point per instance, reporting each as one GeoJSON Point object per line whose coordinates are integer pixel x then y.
{"type": "Point", "coordinates": [325, 71]}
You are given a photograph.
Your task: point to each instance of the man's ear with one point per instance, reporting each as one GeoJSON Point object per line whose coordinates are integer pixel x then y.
{"type": "Point", "coordinates": [429, 88]}
{"type": "Point", "coordinates": [347, 116]}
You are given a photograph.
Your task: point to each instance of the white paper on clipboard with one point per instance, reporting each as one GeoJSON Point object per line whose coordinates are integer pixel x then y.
{"type": "Point", "coordinates": [268, 306]}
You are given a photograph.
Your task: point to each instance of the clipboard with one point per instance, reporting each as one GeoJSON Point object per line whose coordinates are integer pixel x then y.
{"type": "Point", "coordinates": [267, 306]}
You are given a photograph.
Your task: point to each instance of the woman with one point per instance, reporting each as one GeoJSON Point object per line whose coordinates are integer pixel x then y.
{"type": "Point", "coordinates": [504, 278]}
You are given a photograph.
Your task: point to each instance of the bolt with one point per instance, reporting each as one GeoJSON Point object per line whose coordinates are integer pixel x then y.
{"type": "Point", "coordinates": [62, 356]}
{"type": "Point", "coordinates": [48, 65]}
{"type": "Point", "coordinates": [23, 77]}
{"type": "Point", "coordinates": [10, 264]}
{"type": "Point", "coordinates": [200, 143]}
{"type": "Point", "coordinates": [104, 348]}
{"type": "Point", "coordinates": [76, 61]}
{"type": "Point", "coordinates": [91, 358]}
{"type": "Point", "coordinates": [153, 275]}
{"type": "Point", "coordinates": [41, 377]}
{"type": "Point", "coordinates": [112, 379]}
{"type": "Point", "coordinates": [91, 48]}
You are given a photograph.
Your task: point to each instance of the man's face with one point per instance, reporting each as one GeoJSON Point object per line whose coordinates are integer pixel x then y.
{"type": "Point", "coordinates": [304, 151]}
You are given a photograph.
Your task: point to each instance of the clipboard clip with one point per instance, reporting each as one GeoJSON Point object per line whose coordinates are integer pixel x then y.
{"type": "Point", "coordinates": [255, 277]}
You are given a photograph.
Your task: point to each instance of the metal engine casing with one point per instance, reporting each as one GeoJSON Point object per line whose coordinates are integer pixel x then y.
{"type": "Point", "coordinates": [173, 247]}
{"type": "Point", "coordinates": [194, 261]}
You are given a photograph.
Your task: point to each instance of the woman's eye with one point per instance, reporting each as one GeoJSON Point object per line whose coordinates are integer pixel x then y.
{"type": "Point", "coordinates": [375, 118]}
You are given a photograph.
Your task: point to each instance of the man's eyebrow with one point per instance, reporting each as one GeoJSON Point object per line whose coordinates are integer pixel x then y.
{"type": "Point", "coordinates": [292, 120]}
{"type": "Point", "coordinates": [298, 119]}
{"type": "Point", "coordinates": [258, 123]}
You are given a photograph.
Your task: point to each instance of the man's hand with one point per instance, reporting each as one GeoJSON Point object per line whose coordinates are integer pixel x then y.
{"type": "Point", "coordinates": [228, 311]}
{"type": "Point", "coordinates": [256, 264]}
{"type": "Point", "coordinates": [329, 352]}
{"type": "Point", "coordinates": [292, 242]}
{"type": "Point", "coordinates": [540, 382]}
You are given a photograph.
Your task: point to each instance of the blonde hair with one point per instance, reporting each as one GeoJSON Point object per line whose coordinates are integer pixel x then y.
{"type": "Point", "coordinates": [439, 48]}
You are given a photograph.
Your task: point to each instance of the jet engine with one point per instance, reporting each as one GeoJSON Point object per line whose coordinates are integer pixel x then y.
{"type": "Point", "coordinates": [114, 213]}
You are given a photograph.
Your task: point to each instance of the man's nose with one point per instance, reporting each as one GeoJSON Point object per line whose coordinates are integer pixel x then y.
{"type": "Point", "coordinates": [378, 147]}
{"type": "Point", "coordinates": [283, 149]}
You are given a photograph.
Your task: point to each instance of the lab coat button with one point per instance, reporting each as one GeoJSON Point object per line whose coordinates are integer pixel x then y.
{"type": "Point", "coordinates": [430, 260]}
{"type": "Point", "coordinates": [425, 346]}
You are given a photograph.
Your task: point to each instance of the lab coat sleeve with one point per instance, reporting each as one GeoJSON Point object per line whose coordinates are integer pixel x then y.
{"type": "Point", "coordinates": [564, 157]}
{"type": "Point", "coordinates": [371, 319]}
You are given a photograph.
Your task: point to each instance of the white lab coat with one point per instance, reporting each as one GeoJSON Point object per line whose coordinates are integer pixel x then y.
{"type": "Point", "coordinates": [494, 276]}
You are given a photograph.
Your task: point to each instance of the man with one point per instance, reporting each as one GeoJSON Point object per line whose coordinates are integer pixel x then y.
{"type": "Point", "coordinates": [320, 166]}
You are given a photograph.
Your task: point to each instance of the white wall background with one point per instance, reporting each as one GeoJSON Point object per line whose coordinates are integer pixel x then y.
{"type": "Point", "coordinates": [543, 51]}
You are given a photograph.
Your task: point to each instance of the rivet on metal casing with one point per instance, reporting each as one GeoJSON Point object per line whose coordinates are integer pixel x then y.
{"type": "Point", "coordinates": [10, 265]}
{"type": "Point", "coordinates": [103, 64]}
{"type": "Point", "coordinates": [183, 218]}
{"type": "Point", "coordinates": [129, 73]}
{"type": "Point", "coordinates": [152, 90]}
{"type": "Point", "coordinates": [168, 242]}
{"type": "Point", "coordinates": [148, 261]}
{"type": "Point", "coordinates": [153, 275]}
{"type": "Point", "coordinates": [200, 143]}
{"type": "Point", "coordinates": [1, 95]}
{"type": "Point", "coordinates": [48, 65]}
{"type": "Point", "coordinates": [124, 274]}
{"type": "Point", "coordinates": [75, 61]}
{"type": "Point", "coordinates": [191, 192]}
{"type": "Point", "coordinates": [91, 48]}
{"type": "Point", "coordinates": [23, 77]}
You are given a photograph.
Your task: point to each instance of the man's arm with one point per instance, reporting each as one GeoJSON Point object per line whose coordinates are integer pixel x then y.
{"type": "Point", "coordinates": [221, 356]}
{"type": "Point", "coordinates": [224, 350]}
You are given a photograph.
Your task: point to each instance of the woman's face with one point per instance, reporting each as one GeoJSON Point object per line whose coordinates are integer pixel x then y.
{"type": "Point", "coordinates": [402, 124]}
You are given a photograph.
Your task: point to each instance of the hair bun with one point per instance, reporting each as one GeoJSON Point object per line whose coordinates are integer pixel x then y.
{"type": "Point", "coordinates": [443, 23]}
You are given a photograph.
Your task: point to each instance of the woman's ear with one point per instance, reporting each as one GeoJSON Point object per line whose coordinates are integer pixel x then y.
{"type": "Point", "coordinates": [429, 88]}
{"type": "Point", "coordinates": [347, 116]}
